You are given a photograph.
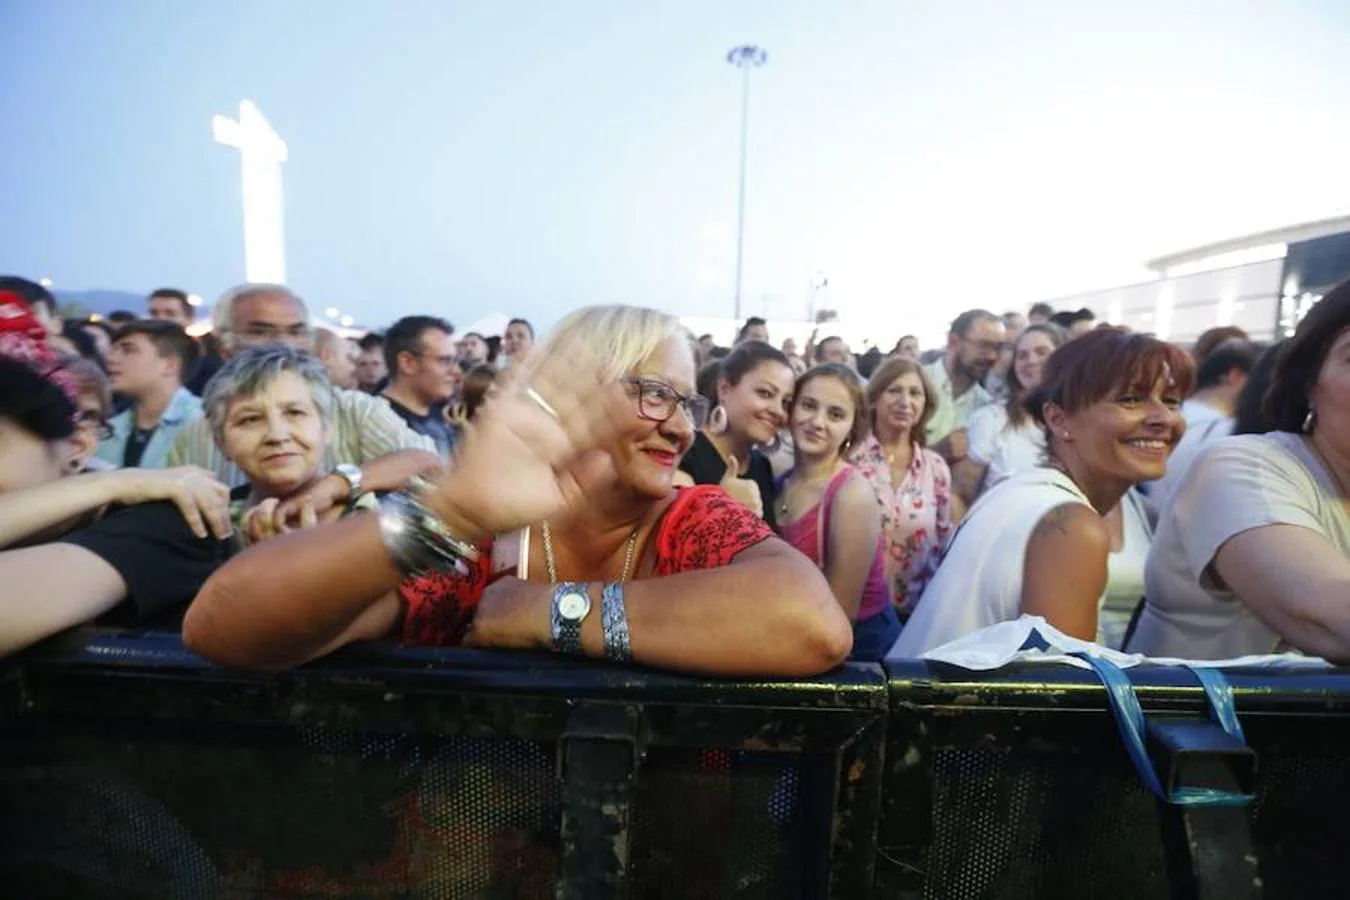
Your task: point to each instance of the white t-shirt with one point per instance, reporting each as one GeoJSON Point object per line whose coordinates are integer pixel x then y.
{"type": "Point", "coordinates": [1125, 572]}
{"type": "Point", "coordinates": [1236, 484]}
{"type": "Point", "coordinates": [1204, 424]}
{"type": "Point", "coordinates": [1004, 449]}
{"type": "Point", "coordinates": [979, 582]}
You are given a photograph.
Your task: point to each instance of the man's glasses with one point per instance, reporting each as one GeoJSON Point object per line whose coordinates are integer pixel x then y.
{"type": "Point", "coordinates": [657, 402]}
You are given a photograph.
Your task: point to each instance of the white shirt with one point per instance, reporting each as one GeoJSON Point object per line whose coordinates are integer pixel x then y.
{"type": "Point", "coordinates": [1235, 485]}
{"type": "Point", "coordinates": [1125, 572]}
{"type": "Point", "coordinates": [952, 412]}
{"type": "Point", "coordinates": [979, 582]}
{"type": "Point", "coordinates": [1204, 424]}
{"type": "Point", "coordinates": [1004, 449]}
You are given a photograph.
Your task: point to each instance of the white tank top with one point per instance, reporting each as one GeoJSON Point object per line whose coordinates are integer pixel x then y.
{"type": "Point", "coordinates": [1125, 572]}
{"type": "Point", "coordinates": [979, 582]}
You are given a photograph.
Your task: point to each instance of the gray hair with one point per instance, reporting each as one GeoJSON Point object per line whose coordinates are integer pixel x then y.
{"type": "Point", "coordinates": [252, 370]}
{"type": "Point", "coordinates": [222, 314]}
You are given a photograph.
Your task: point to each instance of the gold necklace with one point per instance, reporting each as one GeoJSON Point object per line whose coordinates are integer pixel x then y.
{"type": "Point", "coordinates": [553, 569]}
{"type": "Point", "coordinates": [783, 506]}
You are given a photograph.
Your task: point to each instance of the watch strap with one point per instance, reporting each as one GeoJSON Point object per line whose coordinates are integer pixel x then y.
{"type": "Point", "coordinates": [566, 631]}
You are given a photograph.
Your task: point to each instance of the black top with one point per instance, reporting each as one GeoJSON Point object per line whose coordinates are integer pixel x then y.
{"type": "Point", "coordinates": [705, 465]}
{"type": "Point", "coordinates": [433, 425]}
{"type": "Point", "coordinates": [162, 562]}
{"type": "Point", "coordinates": [137, 441]}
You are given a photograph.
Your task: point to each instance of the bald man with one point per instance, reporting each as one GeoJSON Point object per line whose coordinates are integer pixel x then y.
{"type": "Point", "coordinates": [335, 352]}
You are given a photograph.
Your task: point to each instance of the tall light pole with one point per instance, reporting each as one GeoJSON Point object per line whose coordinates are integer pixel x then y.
{"type": "Point", "coordinates": [745, 58]}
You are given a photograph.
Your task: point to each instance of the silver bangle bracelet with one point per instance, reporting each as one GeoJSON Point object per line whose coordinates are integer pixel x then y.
{"type": "Point", "coordinates": [614, 623]}
{"type": "Point", "coordinates": [419, 542]}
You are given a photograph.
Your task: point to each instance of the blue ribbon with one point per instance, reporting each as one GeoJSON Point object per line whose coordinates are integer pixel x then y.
{"type": "Point", "coordinates": [1130, 720]}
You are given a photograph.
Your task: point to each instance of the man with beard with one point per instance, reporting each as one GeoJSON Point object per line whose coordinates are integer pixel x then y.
{"type": "Point", "coordinates": [973, 347]}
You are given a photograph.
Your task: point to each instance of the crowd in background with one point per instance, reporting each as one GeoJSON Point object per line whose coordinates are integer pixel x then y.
{"type": "Point", "coordinates": [625, 489]}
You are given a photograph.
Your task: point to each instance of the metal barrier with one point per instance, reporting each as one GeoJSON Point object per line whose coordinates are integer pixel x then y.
{"type": "Point", "coordinates": [130, 768]}
{"type": "Point", "coordinates": [1015, 783]}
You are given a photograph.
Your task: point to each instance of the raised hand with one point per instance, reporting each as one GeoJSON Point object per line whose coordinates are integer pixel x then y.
{"type": "Point", "coordinates": [514, 467]}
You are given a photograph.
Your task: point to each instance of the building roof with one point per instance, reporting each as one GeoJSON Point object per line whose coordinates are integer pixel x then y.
{"type": "Point", "coordinates": [1288, 234]}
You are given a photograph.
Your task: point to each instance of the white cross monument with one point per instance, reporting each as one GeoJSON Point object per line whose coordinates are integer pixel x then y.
{"type": "Point", "coordinates": [261, 153]}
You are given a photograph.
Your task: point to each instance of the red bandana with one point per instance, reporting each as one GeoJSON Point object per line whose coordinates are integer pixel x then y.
{"type": "Point", "coordinates": [22, 337]}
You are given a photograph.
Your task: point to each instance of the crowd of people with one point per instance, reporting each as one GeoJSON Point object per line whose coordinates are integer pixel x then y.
{"type": "Point", "coordinates": [626, 490]}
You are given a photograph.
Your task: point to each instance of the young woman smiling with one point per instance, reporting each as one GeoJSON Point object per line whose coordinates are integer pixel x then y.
{"type": "Point", "coordinates": [1039, 542]}
{"type": "Point", "coordinates": [827, 509]}
{"type": "Point", "coordinates": [753, 391]}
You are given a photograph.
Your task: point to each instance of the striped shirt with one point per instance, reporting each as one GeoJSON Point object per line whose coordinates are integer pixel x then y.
{"type": "Point", "coordinates": [365, 429]}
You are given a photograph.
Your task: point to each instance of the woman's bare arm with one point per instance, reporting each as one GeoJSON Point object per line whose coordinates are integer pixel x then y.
{"type": "Point", "coordinates": [1295, 581]}
{"type": "Point", "coordinates": [769, 613]}
{"type": "Point", "coordinates": [1065, 570]}
{"type": "Point", "coordinates": [855, 526]}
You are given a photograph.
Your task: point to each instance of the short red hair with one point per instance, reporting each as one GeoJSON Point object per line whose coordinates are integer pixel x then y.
{"type": "Point", "coordinates": [1093, 367]}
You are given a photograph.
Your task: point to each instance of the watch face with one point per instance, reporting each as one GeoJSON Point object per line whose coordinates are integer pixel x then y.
{"type": "Point", "coordinates": [574, 605]}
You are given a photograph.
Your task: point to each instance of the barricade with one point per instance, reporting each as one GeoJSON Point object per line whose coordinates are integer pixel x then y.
{"type": "Point", "coordinates": [130, 768]}
{"type": "Point", "coordinates": [1015, 784]}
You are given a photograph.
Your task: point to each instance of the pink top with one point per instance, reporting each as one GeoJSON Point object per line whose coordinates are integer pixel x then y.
{"type": "Point", "coordinates": [916, 515]}
{"type": "Point", "coordinates": [804, 534]}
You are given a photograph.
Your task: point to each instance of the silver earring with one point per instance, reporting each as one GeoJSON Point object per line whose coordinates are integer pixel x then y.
{"type": "Point", "coordinates": [717, 419]}
{"type": "Point", "coordinates": [1310, 421]}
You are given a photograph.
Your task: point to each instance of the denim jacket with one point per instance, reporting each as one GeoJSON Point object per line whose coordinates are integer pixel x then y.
{"type": "Point", "coordinates": [182, 408]}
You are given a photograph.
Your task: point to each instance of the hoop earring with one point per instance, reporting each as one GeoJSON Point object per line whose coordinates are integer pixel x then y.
{"type": "Point", "coordinates": [1310, 421]}
{"type": "Point", "coordinates": [717, 420]}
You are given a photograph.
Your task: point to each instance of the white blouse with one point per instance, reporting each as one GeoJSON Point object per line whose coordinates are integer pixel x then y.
{"type": "Point", "coordinates": [1005, 449]}
{"type": "Point", "coordinates": [979, 581]}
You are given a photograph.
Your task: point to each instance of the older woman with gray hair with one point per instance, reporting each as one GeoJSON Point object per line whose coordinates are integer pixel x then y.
{"type": "Point", "coordinates": [271, 411]}
{"type": "Point", "coordinates": [560, 526]}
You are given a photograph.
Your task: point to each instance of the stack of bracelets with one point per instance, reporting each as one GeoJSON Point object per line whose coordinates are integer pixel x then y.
{"type": "Point", "coordinates": [417, 539]}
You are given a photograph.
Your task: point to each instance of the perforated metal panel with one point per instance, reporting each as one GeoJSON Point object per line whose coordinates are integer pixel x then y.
{"type": "Point", "coordinates": [1013, 825]}
{"type": "Point", "coordinates": [293, 815]}
{"type": "Point", "coordinates": [714, 824]}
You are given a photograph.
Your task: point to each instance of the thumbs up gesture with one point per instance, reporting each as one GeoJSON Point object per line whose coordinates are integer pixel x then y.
{"type": "Point", "coordinates": [742, 490]}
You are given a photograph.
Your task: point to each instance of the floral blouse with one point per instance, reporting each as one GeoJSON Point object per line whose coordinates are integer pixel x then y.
{"type": "Point", "coordinates": [916, 516]}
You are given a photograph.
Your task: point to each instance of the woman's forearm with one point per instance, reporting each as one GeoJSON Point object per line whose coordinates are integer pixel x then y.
{"type": "Point", "coordinates": [31, 511]}
{"type": "Point", "coordinates": [766, 615]}
{"type": "Point", "coordinates": [283, 600]}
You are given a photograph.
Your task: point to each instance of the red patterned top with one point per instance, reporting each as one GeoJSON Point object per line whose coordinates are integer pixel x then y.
{"type": "Point", "coordinates": [703, 529]}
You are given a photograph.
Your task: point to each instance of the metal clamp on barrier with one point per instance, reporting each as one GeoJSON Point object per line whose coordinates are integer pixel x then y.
{"type": "Point", "coordinates": [598, 757]}
{"type": "Point", "coordinates": [1205, 774]}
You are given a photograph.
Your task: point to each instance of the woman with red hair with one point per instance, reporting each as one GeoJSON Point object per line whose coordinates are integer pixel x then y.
{"type": "Point", "coordinates": [1039, 543]}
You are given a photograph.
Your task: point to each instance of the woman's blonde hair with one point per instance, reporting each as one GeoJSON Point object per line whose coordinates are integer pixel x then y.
{"type": "Point", "coordinates": [607, 340]}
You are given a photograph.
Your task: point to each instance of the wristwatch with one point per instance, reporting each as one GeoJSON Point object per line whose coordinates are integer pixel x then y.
{"type": "Point", "coordinates": [353, 475]}
{"type": "Point", "coordinates": [571, 605]}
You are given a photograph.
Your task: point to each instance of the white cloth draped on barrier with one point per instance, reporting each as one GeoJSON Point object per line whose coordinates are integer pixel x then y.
{"type": "Point", "coordinates": [1032, 639]}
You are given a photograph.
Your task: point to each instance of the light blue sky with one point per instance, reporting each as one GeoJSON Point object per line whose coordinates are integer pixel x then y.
{"type": "Point", "coordinates": [460, 158]}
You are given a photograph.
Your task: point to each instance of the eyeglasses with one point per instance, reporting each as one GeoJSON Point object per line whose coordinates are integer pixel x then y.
{"type": "Point", "coordinates": [443, 361]}
{"type": "Point", "coordinates": [267, 334]}
{"type": "Point", "coordinates": [657, 402]}
{"type": "Point", "coordinates": [93, 420]}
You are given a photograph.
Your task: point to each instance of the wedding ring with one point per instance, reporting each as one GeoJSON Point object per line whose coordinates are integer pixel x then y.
{"type": "Point", "coordinates": [543, 404]}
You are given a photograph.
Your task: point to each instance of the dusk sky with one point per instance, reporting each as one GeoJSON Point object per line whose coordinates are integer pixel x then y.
{"type": "Point", "coordinates": [462, 158]}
